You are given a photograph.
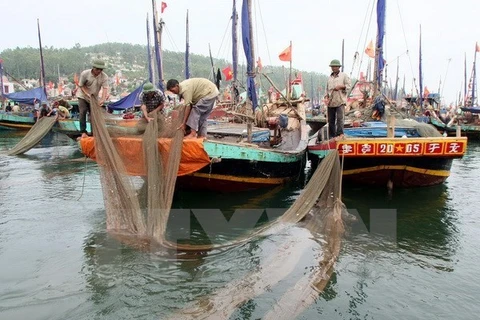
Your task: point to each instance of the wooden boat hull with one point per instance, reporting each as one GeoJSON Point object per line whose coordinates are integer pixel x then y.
{"type": "Point", "coordinates": [468, 130]}
{"type": "Point", "coordinates": [22, 121]}
{"type": "Point", "coordinates": [244, 173]}
{"type": "Point", "coordinates": [71, 127]}
{"type": "Point", "coordinates": [212, 165]}
{"type": "Point", "coordinates": [316, 122]}
{"type": "Point", "coordinates": [413, 162]}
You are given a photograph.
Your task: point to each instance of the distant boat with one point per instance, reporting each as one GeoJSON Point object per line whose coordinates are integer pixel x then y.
{"type": "Point", "coordinates": [24, 121]}
{"type": "Point", "coordinates": [380, 154]}
{"type": "Point", "coordinates": [21, 120]}
{"type": "Point", "coordinates": [71, 127]}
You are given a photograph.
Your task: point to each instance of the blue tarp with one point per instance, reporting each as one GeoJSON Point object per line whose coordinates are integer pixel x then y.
{"type": "Point", "coordinates": [252, 93]}
{"type": "Point", "coordinates": [128, 101]}
{"type": "Point", "coordinates": [471, 109]}
{"type": "Point", "coordinates": [26, 97]}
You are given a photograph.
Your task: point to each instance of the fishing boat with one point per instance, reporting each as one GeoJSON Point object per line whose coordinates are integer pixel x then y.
{"type": "Point", "coordinates": [466, 116]}
{"type": "Point", "coordinates": [16, 121]}
{"type": "Point", "coordinates": [23, 120]}
{"type": "Point", "coordinates": [114, 117]}
{"type": "Point", "coordinates": [379, 153]}
{"type": "Point", "coordinates": [267, 149]}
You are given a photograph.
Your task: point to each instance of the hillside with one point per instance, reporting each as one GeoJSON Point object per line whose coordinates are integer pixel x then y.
{"type": "Point", "coordinates": [131, 60]}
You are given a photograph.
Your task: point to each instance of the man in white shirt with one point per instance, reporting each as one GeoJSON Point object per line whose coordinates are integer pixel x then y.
{"type": "Point", "coordinates": [90, 83]}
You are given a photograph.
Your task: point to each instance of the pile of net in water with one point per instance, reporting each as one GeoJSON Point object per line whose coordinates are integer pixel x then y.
{"type": "Point", "coordinates": [34, 135]}
{"type": "Point", "coordinates": [142, 212]}
{"type": "Point", "coordinates": [318, 209]}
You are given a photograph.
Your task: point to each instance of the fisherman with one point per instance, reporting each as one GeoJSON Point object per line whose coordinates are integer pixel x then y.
{"type": "Point", "coordinates": [199, 96]}
{"type": "Point", "coordinates": [61, 111]}
{"type": "Point", "coordinates": [338, 85]}
{"type": "Point", "coordinates": [90, 83]}
{"type": "Point", "coordinates": [152, 100]}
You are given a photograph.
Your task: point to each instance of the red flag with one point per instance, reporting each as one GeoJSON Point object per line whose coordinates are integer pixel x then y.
{"type": "Point", "coordinates": [286, 54]}
{"type": "Point", "coordinates": [477, 47]}
{"type": "Point", "coordinates": [228, 73]}
{"type": "Point", "coordinates": [370, 50]}
{"type": "Point", "coordinates": [163, 6]}
{"type": "Point", "coordinates": [259, 64]}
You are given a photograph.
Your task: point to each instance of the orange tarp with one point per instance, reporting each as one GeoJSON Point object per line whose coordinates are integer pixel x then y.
{"type": "Point", "coordinates": [194, 157]}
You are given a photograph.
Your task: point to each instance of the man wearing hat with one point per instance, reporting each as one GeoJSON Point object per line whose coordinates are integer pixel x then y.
{"type": "Point", "coordinates": [338, 86]}
{"type": "Point", "coordinates": [152, 99]}
{"type": "Point", "coordinates": [90, 83]}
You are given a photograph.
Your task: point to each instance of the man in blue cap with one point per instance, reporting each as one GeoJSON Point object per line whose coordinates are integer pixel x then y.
{"type": "Point", "coordinates": [338, 86]}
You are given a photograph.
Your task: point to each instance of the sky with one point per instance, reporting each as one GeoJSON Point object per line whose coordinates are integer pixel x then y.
{"type": "Point", "coordinates": [315, 27]}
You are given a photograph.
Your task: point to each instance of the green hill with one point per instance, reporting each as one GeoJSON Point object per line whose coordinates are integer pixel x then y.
{"type": "Point", "coordinates": [24, 63]}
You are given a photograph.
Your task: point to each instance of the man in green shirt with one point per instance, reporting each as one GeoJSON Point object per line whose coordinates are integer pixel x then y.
{"type": "Point", "coordinates": [199, 96]}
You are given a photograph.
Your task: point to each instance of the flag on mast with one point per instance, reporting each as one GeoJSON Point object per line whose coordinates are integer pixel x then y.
{"type": "Point", "coordinates": [163, 7]}
{"type": "Point", "coordinates": [286, 55]}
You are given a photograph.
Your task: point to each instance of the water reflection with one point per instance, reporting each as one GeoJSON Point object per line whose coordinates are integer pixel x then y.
{"type": "Point", "coordinates": [425, 225]}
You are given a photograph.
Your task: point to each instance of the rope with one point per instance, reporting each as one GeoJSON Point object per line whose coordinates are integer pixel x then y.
{"type": "Point", "coordinates": [405, 38]}
{"type": "Point", "coordinates": [83, 183]}
{"type": "Point", "coordinates": [264, 32]}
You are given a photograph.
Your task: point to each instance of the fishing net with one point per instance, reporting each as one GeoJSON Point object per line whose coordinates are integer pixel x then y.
{"type": "Point", "coordinates": [318, 209]}
{"type": "Point", "coordinates": [123, 214]}
{"type": "Point", "coordinates": [34, 135]}
{"type": "Point", "coordinates": [138, 206]}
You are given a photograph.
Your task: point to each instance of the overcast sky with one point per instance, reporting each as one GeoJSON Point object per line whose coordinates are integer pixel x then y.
{"type": "Point", "coordinates": [316, 28]}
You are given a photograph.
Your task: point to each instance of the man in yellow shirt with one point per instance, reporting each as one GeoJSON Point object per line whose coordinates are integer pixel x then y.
{"type": "Point", "coordinates": [199, 96]}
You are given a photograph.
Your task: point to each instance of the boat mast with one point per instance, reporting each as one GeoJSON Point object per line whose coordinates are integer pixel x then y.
{"type": "Point", "coordinates": [42, 65]}
{"type": "Point", "coordinates": [158, 28]}
{"type": "Point", "coordinates": [214, 76]}
{"type": "Point", "coordinates": [474, 74]}
{"type": "Point", "coordinates": [234, 52]}
{"type": "Point", "coordinates": [465, 92]}
{"type": "Point", "coordinates": [149, 54]}
{"type": "Point", "coordinates": [187, 50]}
{"type": "Point", "coordinates": [379, 62]}
{"type": "Point", "coordinates": [2, 98]}
{"type": "Point", "coordinates": [420, 75]}
{"type": "Point", "coordinates": [247, 37]}
{"type": "Point", "coordinates": [395, 93]}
